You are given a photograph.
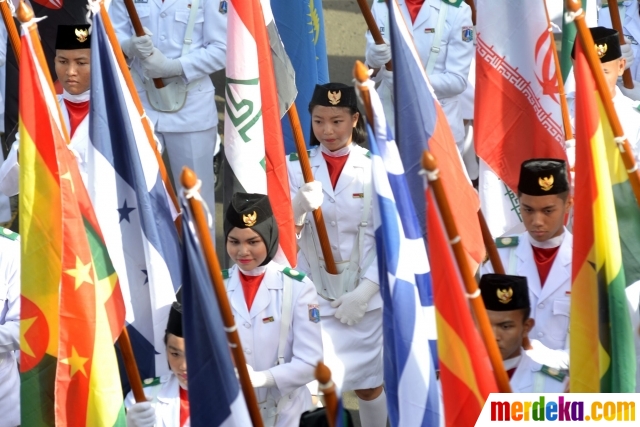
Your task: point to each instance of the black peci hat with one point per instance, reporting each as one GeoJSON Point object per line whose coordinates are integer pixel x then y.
{"type": "Point", "coordinates": [541, 177]}
{"type": "Point", "coordinates": [253, 211]}
{"type": "Point", "coordinates": [501, 292]}
{"type": "Point", "coordinates": [174, 324]}
{"type": "Point", "coordinates": [606, 43]}
{"type": "Point", "coordinates": [334, 95]}
{"type": "Point", "coordinates": [72, 37]}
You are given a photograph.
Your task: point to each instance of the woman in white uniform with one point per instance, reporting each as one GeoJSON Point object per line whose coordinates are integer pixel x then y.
{"type": "Point", "coordinates": [276, 310]}
{"type": "Point", "coordinates": [168, 404]}
{"type": "Point", "coordinates": [350, 302]}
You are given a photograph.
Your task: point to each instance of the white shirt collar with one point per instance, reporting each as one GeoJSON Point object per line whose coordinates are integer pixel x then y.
{"type": "Point", "coordinates": [512, 363]}
{"type": "Point", "coordinates": [554, 242]}
{"type": "Point", "coordinates": [338, 153]}
{"type": "Point", "coordinates": [83, 97]}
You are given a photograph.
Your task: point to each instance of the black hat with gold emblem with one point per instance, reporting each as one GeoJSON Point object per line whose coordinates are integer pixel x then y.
{"type": "Point", "coordinates": [72, 37]}
{"type": "Point", "coordinates": [541, 177]}
{"type": "Point", "coordinates": [606, 43]}
{"type": "Point", "coordinates": [501, 292]}
{"type": "Point", "coordinates": [174, 324]}
{"type": "Point", "coordinates": [334, 95]}
{"type": "Point", "coordinates": [253, 211]}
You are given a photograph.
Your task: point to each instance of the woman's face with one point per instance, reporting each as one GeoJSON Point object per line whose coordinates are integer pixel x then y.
{"type": "Point", "coordinates": [177, 358]}
{"type": "Point", "coordinates": [333, 126]}
{"type": "Point", "coordinates": [246, 248]}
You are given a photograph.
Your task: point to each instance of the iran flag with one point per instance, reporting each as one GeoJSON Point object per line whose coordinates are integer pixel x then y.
{"type": "Point", "coordinates": [517, 103]}
{"type": "Point", "coordinates": [254, 147]}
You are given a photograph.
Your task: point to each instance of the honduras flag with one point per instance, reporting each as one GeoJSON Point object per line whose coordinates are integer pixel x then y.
{"type": "Point", "coordinates": [132, 206]}
{"type": "Point", "coordinates": [405, 285]}
{"type": "Point", "coordinates": [214, 392]}
{"type": "Point", "coordinates": [301, 27]}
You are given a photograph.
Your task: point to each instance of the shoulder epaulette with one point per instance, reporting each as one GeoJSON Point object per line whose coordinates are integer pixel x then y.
{"type": "Point", "coordinates": [9, 234]}
{"type": "Point", "coordinates": [507, 242]}
{"type": "Point", "coordinates": [151, 382]}
{"type": "Point", "coordinates": [605, 4]}
{"type": "Point", "coordinates": [368, 154]}
{"type": "Point", "coordinates": [225, 274]}
{"type": "Point", "coordinates": [294, 156]}
{"type": "Point", "coordinates": [554, 373]}
{"type": "Point", "coordinates": [637, 107]}
{"type": "Point", "coordinates": [294, 274]}
{"type": "Point", "coordinates": [454, 3]}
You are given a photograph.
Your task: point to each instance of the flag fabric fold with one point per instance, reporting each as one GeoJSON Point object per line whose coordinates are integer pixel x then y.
{"type": "Point", "coordinates": [215, 398]}
{"type": "Point", "coordinates": [254, 147]}
{"type": "Point", "coordinates": [132, 205]}
{"type": "Point", "coordinates": [601, 344]}
{"type": "Point", "coordinates": [90, 313]}
{"type": "Point", "coordinates": [405, 285]}
{"type": "Point", "coordinates": [421, 124]}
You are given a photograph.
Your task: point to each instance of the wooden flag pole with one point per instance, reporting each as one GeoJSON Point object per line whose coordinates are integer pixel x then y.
{"type": "Point", "coordinates": [328, 388]}
{"type": "Point", "coordinates": [564, 107]}
{"type": "Point", "coordinates": [361, 74]}
{"type": "Point", "coordinates": [614, 11]}
{"type": "Point", "coordinates": [594, 63]}
{"type": "Point", "coordinates": [137, 28]}
{"type": "Point", "coordinates": [131, 366]}
{"type": "Point", "coordinates": [305, 166]}
{"type": "Point", "coordinates": [473, 292]}
{"type": "Point", "coordinates": [373, 27]}
{"type": "Point", "coordinates": [124, 68]}
{"type": "Point", "coordinates": [14, 36]}
{"type": "Point", "coordinates": [490, 245]}
{"type": "Point", "coordinates": [189, 181]}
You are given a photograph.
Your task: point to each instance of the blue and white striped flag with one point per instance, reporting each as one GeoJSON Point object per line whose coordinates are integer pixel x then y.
{"type": "Point", "coordinates": [132, 206]}
{"type": "Point", "coordinates": [405, 285]}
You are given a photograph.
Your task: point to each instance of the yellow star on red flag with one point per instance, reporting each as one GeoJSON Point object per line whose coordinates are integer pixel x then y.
{"type": "Point", "coordinates": [82, 273]}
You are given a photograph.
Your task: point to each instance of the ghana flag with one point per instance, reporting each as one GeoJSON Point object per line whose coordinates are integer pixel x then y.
{"type": "Point", "coordinates": [602, 349]}
{"type": "Point", "coordinates": [72, 308]}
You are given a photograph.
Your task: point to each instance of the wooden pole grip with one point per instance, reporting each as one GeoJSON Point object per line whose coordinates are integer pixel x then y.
{"type": "Point", "coordinates": [373, 27]}
{"type": "Point", "coordinates": [137, 28]}
{"type": "Point", "coordinates": [437, 188]}
{"type": "Point", "coordinates": [305, 166]}
{"type": "Point", "coordinates": [189, 181]}
{"type": "Point", "coordinates": [328, 388]}
{"type": "Point", "coordinates": [490, 245]}
{"type": "Point", "coordinates": [14, 36]}
{"type": "Point", "coordinates": [130, 366]}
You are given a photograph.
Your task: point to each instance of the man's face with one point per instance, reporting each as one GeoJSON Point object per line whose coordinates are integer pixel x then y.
{"type": "Point", "coordinates": [510, 329]}
{"type": "Point", "coordinates": [73, 68]}
{"type": "Point", "coordinates": [612, 70]}
{"type": "Point", "coordinates": [543, 216]}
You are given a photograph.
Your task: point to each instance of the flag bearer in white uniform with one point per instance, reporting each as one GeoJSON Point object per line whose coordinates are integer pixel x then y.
{"type": "Point", "coordinates": [9, 328]}
{"type": "Point", "coordinates": [276, 310]}
{"type": "Point", "coordinates": [73, 68]}
{"type": "Point", "coordinates": [168, 404]}
{"type": "Point", "coordinates": [443, 34]}
{"type": "Point", "coordinates": [613, 65]}
{"type": "Point", "coordinates": [506, 299]}
{"type": "Point", "coordinates": [543, 253]}
{"type": "Point", "coordinates": [350, 303]}
{"type": "Point", "coordinates": [186, 41]}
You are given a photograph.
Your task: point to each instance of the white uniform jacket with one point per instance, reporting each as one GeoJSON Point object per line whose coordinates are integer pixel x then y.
{"type": "Point", "coordinates": [550, 305]}
{"type": "Point", "coordinates": [168, 22]}
{"type": "Point", "coordinates": [449, 76]}
{"type": "Point", "coordinates": [342, 210]}
{"type": "Point", "coordinates": [630, 19]}
{"type": "Point", "coordinates": [164, 393]}
{"type": "Point", "coordinates": [9, 328]}
{"type": "Point", "coordinates": [79, 144]}
{"type": "Point", "coordinates": [628, 113]}
{"type": "Point", "coordinates": [259, 330]}
{"type": "Point", "coordinates": [532, 377]}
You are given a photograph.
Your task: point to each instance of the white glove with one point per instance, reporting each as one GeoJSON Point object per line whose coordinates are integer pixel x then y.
{"type": "Point", "coordinates": [627, 53]}
{"type": "Point", "coordinates": [141, 414]}
{"type": "Point", "coordinates": [139, 47]}
{"type": "Point", "coordinates": [630, 93]}
{"type": "Point", "coordinates": [308, 198]}
{"type": "Point", "coordinates": [353, 305]}
{"type": "Point", "coordinates": [377, 55]}
{"type": "Point", "coordinates": [157, 65]}
{"type": "Point", "coordinates": [260, 378]}
{"type": "Point", "coordinates": [386, 77]}
{"type": "Point", "coordinates": [556, 359]}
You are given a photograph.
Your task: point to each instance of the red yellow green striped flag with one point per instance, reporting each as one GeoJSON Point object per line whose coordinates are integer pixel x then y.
{"type": "Point", "coordinates": [601, 349]}
{"type": "Point", "coordinates": [72, 307]}
{"type": "Point", "coordinates": [466, 374]}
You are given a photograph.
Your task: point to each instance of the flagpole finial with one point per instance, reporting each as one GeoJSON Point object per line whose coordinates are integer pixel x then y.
{"type": "Point", "coordinates": [188, 178]}
{"type": "Point", "coordinates": [24, 12]}
{"type": "Point", "coordinates": [360, 72]}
